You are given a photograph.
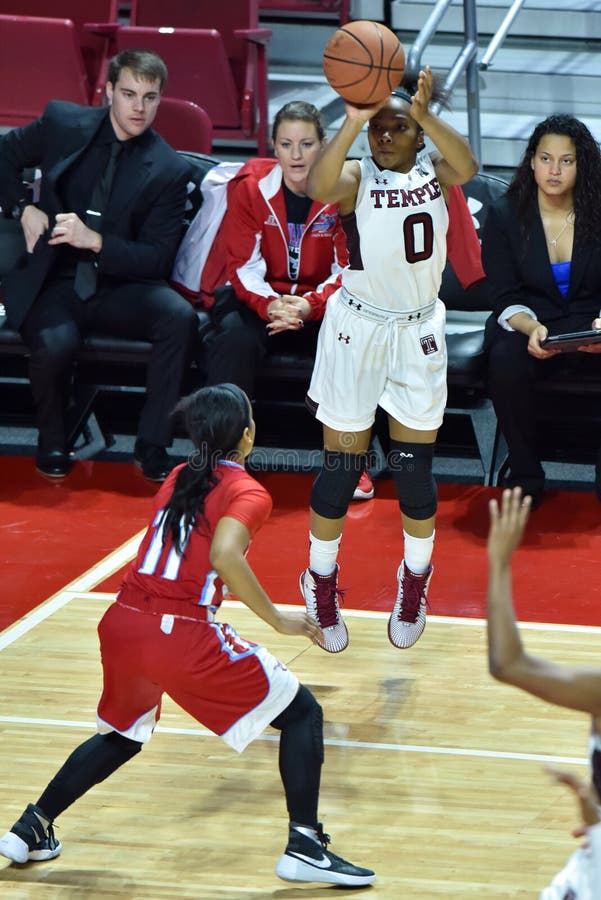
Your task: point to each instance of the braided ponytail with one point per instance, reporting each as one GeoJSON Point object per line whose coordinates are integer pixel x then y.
{"type": "Point", "coordinates": [215, 418]}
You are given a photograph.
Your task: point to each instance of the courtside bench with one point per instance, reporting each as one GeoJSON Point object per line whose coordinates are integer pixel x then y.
{"type": "Point", "coordinates": [109, 368]}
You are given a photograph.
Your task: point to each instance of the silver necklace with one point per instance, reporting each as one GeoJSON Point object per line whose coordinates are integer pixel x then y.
{"type": "Point", "coordinates": [569, 221]}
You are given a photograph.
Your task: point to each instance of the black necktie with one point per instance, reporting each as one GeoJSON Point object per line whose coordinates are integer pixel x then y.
{"type": "Point", "coordinates": [85, 271]}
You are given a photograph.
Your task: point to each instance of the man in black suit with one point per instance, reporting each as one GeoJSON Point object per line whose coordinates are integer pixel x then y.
{"type": "Point", "coordinates": [101, 241]}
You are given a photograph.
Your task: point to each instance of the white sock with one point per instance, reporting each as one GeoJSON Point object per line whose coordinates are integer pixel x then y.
{"type": "Point", "coordinates": [418, 552]}
{"type": "Point", "coordinates": [323, 555]}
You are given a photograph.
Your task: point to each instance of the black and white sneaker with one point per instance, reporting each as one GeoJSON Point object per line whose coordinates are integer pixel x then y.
{"type": "Point", "coordinates": [31, 839]}
{"type": "Point", "coordinates": [307, 858]}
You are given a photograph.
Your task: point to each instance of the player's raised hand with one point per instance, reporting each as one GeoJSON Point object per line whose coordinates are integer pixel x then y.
{"type": "Point", "coordinates": [423, 95]}
{"type": "Point", "coordinates": [585, 794]}
{"type": "Point", "coordinates": [507, 523]}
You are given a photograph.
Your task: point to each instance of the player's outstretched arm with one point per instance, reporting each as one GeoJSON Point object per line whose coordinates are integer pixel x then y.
{"type": "Point", "coordinates": [455, 162]}
{"type": "Point", "coordinates": [563, 685]}
{"type": "Point", "coordinates": [227, 557]}
{"type": "Point", "coordinates": [333, 178]}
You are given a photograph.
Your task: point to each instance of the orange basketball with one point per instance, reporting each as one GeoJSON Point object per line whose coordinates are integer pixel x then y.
{"type": "Point", "coordinates": [364, 62]}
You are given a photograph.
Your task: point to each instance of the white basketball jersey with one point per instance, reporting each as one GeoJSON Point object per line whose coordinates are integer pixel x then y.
{"type": "Point", "coordinates": [397, 236]}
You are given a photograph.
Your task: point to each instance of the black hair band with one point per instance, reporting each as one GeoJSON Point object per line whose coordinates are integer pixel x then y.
{"type": "Point", "coordinates": [402, 94]}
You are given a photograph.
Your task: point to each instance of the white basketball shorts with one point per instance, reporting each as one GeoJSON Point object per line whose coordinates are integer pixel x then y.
{"type": "Point", "coordinates": [373, 357]}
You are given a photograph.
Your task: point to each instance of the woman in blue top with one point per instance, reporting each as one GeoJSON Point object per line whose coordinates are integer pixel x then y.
{"type": "Point", "coordinates": [541, 251]}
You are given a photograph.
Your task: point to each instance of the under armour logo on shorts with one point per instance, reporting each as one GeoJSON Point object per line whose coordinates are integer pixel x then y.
{"type": "Point", "coordinates": [428, 344]}
{"type": "Point", "coordinates": [344, 337]}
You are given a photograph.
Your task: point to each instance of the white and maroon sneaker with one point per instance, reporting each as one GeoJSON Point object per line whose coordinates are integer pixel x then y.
{"type": "Point", "coordinates": [365, 487]}
{"type": "Point", "coordinates": [408, 617]}
{"type": "Point", "coordinates": [320, 593]}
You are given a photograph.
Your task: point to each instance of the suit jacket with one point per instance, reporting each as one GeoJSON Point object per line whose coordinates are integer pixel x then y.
{"type": "Point", "coordinates": [142, 224]}
{"type": "Point", "coordinates": [519, 270]}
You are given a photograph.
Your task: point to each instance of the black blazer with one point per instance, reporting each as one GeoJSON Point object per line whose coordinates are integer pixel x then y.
{"type": "Point", "coordinates": [142, 225]}
{"type": "Point", "coordinates": [519, 271]}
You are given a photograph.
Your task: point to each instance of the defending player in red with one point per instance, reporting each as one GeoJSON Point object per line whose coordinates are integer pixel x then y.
{"type": "Point", "coordinates": [160, 636]}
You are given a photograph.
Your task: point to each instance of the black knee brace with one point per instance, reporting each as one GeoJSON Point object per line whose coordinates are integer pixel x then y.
{"type": "Point", "coordinates": [301, 755]}
{"type": "Point", "coordinates": [335, 485]}
{"type": "Point", "coordinates": [304, 718]}
{"type": "Point", "coordinates": [411, 467]}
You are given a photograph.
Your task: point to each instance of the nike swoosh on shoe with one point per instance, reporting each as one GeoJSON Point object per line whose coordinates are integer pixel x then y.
{"type": "Point", "coordinates": [323, 863]}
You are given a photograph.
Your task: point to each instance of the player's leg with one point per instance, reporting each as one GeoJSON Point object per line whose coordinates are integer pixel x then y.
{"type": "Point", "coordinates": [410, 461]}
{"type": "Point", "coordinates": [348, 378]}
{"type": "Point", "coordinates": [415, 399]}
{"type": "Point", "coordinates": [32, 836]}
{"type": "Point", "coordinates": [130, 704]}
{"type": "Point", "coordinates": [344, 459]}
{"type": "Point", "coordinates": [306, 857]}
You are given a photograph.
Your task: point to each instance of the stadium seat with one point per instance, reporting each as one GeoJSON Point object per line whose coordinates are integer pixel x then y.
{"type": "Point", "coordinates": [40, 60]}
{"type": "Point", "coordinates": [184, 125]}
{"type": "Point", "coordinates": [225, 73]}
{"type": "Point", "coordinates": [92, 46]}
{"type": "Point", "coordinates": [340, 9]}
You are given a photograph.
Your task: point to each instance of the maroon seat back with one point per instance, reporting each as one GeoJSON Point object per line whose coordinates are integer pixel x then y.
{"type": "Point", "coordinates": [198, 68]}
{"type": "Point", "coordinates": [58, 71]}
{"type": "Point", "coordinates": [92, 46]}
{"type": "Point", "coordinates": [339, 8]}
{"type": "Point", "coordinates": [243, 42]}
{"type": "Point", "coordinates": [184, 125]}
{"type": "Point", "coordinates": [225, 16]}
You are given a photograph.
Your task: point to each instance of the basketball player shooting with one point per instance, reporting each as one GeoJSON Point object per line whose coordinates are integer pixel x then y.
{"type": "Point", "coordinates": [382, 341]}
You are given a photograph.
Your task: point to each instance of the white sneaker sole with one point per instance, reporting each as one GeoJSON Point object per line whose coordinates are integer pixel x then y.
{"type": "Point", "coordinates": [290, 869]}
{"type": "Point", "coordinates": [15, 849]}
{"type": "Point", "coordinates": [364, 495]}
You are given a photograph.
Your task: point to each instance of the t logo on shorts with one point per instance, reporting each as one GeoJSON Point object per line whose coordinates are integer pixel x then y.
{"type": "Point", "coordinates": [428, 344]}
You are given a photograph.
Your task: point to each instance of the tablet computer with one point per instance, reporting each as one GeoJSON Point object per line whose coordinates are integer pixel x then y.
{"type": "Point", "coordinates": [572, 340]}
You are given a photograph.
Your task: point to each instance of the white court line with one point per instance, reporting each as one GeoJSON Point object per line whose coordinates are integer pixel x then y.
{"type": "Point", "coordinates": [82, 584]}
{"type": "Point", "coordinates": [80, 588]}
{"type": "Point", "coordinates": [330, 742]}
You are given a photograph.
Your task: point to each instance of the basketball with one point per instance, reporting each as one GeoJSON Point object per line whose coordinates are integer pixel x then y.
{"type": "Point", "coordinates": [364, 62]}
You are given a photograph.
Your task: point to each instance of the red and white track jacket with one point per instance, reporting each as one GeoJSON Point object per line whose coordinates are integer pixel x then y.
{"type": "Point", "coordinates": [255, 234]}
{"type": "Point", "coordinates": [254, 229]}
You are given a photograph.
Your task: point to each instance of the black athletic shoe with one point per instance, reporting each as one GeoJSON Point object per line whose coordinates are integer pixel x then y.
{"type": "Point", "coordinates": [53, 463]}
{"type": "Point", "coordinates": [306, 859]}
{"type": "Point", "coordinates": [31, 838]}
{"type": "Point", "coordinates": [153, 461]}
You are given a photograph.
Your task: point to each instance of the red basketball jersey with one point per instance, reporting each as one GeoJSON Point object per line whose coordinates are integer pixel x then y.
{"type": "Point", "coordinates": [158, 571]}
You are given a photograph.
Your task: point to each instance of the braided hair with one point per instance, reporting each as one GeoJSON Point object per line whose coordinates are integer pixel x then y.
{"type": "Point", "coordinates": [215, 418]}
{"type": "Point", "coordinates": [587, 188]}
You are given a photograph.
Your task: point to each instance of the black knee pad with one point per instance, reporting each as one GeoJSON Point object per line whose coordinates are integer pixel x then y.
{"type": "Point", "coordinates": [335, 485]}
{"type": "Point", "coordinates": [411, 467]}
{"type": "Point", "coordinates": [306, 712]}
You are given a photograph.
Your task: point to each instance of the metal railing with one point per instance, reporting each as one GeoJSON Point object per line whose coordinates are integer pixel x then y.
{"type": "Point", "coordinates": [465, 62]}
{"type": "Point", "coordinates": [501, 34]}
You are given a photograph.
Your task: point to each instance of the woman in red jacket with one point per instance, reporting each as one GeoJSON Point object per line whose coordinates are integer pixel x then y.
{"type": "Point", "coordinates": [284, 252]}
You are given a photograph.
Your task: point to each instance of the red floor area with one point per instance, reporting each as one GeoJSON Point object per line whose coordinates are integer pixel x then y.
{"type": "Point", "coordinates": [54, 532]}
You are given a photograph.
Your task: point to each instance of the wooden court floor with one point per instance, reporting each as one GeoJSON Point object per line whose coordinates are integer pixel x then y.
{"type": "Point", "coordinates": [433, 774]}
